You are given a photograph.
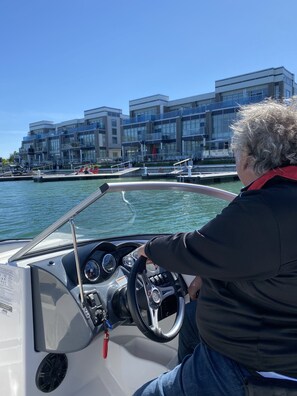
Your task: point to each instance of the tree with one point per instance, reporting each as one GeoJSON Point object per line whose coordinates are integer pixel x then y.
{"type": "Point", "coordinates": [13, 157]}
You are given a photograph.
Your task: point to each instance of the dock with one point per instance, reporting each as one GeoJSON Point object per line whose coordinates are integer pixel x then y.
{"type": "Point", "coordinates": [15, 178]}
{"type": "Point", "coordinates": [158, 175]}
{"type": "Point", "coordinates": [43, 178]}
{"type": "Point", "coordinates": [206, 178]}
{"type": "Point", "coordinates": [199, 175]}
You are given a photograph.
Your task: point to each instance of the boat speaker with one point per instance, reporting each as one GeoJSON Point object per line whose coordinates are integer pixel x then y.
{"type": "Point", "coordinates": [51, 372]}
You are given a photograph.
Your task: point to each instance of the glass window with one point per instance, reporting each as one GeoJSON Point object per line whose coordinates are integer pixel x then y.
{"type": "Point", "coordinates": [235, 96]}
{"type": "Point", "coordinates": [147, 112]}
{"type": "Point", "coordinates": [87, 139]}
{"type": "Point", "coordinates": [168, 151]}
{"type": "Point", "coordinates": [193, 127]}
{"type": "Point", "coordinates": [134, 134]}
{"type": "Point", "coordinates": [102, 153]}
{"type": "Point", "coordinates": [89, 155]}
{"type": "Point", "coordinates": [102, 139]}
{"type": "Point", "coordinates": [164, 130]}
{"type": "Point", "coordinates": [193, 148]}
{"type": "Point", "coordinates": [54, 145]}
{"type": "Point", "coordinates": [98, 121]}
{"type": "Point", "coordinates": [221, 125]}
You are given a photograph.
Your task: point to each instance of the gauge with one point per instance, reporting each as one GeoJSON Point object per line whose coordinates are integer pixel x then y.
{"type": "Point", "coordinates": [128, 261]}
{"type": "Point", "coordinates": [92, 271]}
{"type": "Point", "coordinates": [109, 263]}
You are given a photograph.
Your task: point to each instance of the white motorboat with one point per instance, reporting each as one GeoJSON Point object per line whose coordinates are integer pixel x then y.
{"type": "Point", "coordinates": [79, 313]}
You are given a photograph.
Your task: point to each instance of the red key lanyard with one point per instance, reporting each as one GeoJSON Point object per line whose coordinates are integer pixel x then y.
{"type": "Point", "coordinates": [105, 344]}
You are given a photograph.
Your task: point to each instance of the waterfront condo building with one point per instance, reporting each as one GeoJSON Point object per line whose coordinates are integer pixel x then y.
{"type": "Point", "coordinates": [197, 127]}
{"type": "Point", "coordinates": [94, 138]}
{"type": "Point", "coordinates": [157, 129]}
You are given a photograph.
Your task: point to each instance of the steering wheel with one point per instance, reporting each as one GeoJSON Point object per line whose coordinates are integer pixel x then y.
{"type": "Point", "coordinates": [154, 296]}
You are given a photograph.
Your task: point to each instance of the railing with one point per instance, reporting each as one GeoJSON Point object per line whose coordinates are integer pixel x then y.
{"type": "Point", "coordinates": [158, 157]}
{"type": "Point", "coordinates": [83, 128]}
{"type": "Point", "coordinates": [218, 153]}
{"type": "Point", "coordinates": [30, 138]}
{"type": "Point", "coordinates": [80, 128]}
{"type": "Point", "coordinates": [196, 110]}
{"type": "Point", "coordinates": [76, 146]}
{"type": "Point", "coordinates": [126, 164]}
{"type": "Point", "coordinates": [66, 146]}
{"type": "Point", "coordinates": [182, 165]}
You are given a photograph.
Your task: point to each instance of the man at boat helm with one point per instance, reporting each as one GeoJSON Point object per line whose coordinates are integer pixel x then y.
{"type": "Point", "coordinates": [247, 260]}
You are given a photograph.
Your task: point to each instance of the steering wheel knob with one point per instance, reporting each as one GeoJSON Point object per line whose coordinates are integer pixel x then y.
{"type": "Point", "coordinates": [156, 296]}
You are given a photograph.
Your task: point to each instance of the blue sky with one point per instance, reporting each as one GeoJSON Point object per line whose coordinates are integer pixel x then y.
{"type": "Point", "coordinates": [61, 57]}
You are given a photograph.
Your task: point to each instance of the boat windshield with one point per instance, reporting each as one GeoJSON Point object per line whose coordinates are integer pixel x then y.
{"type": "Point", "coordinates": [135, 208]}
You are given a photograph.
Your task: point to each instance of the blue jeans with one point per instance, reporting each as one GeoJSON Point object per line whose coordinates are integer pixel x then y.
{"type": "Point", "coordinates": [188, 337]}
{"type": "Point", "coordinates": [204, 373]}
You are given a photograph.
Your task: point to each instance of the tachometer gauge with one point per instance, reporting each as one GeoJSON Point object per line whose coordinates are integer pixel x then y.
{"type": "Point", "coordinates": [109, 263]}
{"type": "Point", "coordinates": [92, 271]}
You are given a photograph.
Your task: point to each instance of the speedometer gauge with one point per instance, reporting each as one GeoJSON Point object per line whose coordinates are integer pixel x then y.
{"type": "Point", "coordinates": [92, 271]}
{"type": "Point", "coordinates": [109, 263]}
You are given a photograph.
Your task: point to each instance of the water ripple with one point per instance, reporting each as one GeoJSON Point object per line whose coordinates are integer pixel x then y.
{"type": "Point", "coordinates": [27, 208]}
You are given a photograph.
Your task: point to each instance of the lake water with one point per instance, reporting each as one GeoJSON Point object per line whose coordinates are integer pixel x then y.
{"type": "Point", "coordinates": [27, 208]}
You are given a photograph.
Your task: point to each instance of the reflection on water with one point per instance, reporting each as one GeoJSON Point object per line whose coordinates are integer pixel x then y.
{"type": "Point", "coordinates": [27, 208]}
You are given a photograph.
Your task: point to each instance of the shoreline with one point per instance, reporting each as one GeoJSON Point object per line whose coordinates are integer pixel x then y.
{"type": "Point", "coordinates": [203, 174]}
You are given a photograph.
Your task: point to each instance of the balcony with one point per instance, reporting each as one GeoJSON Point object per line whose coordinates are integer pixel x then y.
{"type": "Point", "coordinates": [217, 153]}
{"type": "Point", "coordinates": [77, 146]}
{"type": "Point", "coordinates": [30, 138]}
{"type": "Point", "coordinates": [81, 128]}
{"type": "Point", "coordinates": [70, 146]}
{"type": "Point", "coordinates": [168, 137]}
{"type": "Point", "coordinates": [196, 110]}
{"type": "Point", "coordinates": [40, 150]}
{"type": "Point", "coordinates": [23, 151]}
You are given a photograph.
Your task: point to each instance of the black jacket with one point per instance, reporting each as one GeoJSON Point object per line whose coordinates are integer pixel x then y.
{"type": "Point", "coordinates": [247, 258]}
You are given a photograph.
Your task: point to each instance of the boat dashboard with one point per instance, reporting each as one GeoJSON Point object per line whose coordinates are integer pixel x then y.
{"type": "Point", "coordinates": [62, 321]}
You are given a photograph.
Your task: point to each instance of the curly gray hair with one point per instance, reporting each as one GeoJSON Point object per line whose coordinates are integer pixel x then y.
{"type": "Point", "coordinates": [267, 132]}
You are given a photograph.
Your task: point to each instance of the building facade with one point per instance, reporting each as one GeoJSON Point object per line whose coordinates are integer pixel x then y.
{"type": "Point", "coordinates": [197, 127]}
{"type": "Point", "coordinates": [92, 139]}
{"type": "Point", "coordinates": [157, 129]}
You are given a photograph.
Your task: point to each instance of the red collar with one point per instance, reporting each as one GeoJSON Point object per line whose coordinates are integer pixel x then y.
{"type": "Point", "coordinates": [287, 172]}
